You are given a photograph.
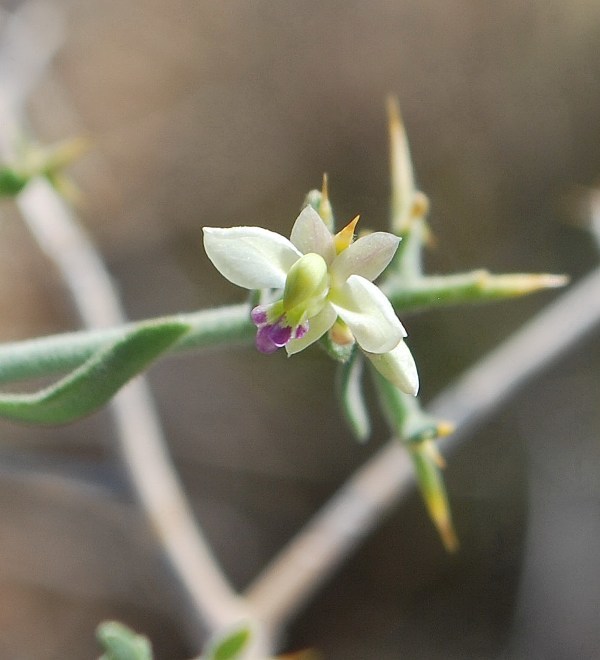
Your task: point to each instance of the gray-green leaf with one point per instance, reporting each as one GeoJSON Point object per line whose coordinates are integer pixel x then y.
{"type": "Point", "coordinates": [352, 398]}
{"type": "Point", "coordinates": [93, 383]}
{"type": "Point", "coordinates": [121, 643]}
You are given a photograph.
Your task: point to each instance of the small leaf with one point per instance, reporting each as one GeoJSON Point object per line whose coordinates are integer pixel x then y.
{"type": "Point", "coordinates": [94, 382]}
{"type": "Point", "coordinates": [121, 643]}
{"type": "Point", "coordinates": [352, 398]}
{"type": "Point", "coordinates": [231, 646]}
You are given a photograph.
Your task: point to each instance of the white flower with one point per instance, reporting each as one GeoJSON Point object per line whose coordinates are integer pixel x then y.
{"type": "Point", "coordinates": [327, 284]}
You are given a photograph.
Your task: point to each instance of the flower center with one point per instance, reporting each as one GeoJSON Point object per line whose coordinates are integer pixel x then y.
{"type": "Point", "coordinates": [306, 288]}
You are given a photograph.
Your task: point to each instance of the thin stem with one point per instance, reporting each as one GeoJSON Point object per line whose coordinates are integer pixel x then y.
{"type": "Point", "coordinates": [319, 549]}
{"type": "Point", "coordinates": [45, 356]}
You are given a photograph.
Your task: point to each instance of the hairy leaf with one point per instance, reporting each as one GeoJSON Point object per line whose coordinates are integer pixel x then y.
{"type": "Point", "coordinates": [121, 643]}
{"type": "Point", "coordinates": [95, 381]}
{"type": "Point", "coordinates": [351, 396]}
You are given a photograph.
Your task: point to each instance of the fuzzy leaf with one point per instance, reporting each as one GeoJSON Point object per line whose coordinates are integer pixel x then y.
{"type": "Point", "coordinates": [121, 643]}
{"type": "Point", "coordinates": [352, 398]}
{"type": "Point", "coordinates": [93, 383]}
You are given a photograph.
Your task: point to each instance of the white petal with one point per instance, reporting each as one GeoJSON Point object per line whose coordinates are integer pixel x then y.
{"type": "Point", "coordinates": [399, 367]}
{"type": "Point", "coordinates": [367, 257]}
{"type": "Point", "coordinates": [251, 257]}
{"type": "Point", "coordinates": [317, 327]}
{"type": "Point", "coordinates": [310, 234]}
{"type": "Point", "coordinates": [369, 314]}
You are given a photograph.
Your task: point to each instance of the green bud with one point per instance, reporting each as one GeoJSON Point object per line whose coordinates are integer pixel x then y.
{"type": "Point", "coordinates": [306, 281]}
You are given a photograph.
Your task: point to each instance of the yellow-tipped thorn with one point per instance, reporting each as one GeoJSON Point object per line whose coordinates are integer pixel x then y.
{"type": "Point", "coordinates": [445, 428]}
{"type": "Point", "coordinates": [448, 536]}
{"type": "Point", "coordinates": [393, 111]}
{"type": "Point", "coordinates": [324, 187]}
{"type": "Point", "coordinates": [434, 453]}
{"type": "Point", "coordinates": [401, 170]}
{"type": "Point", "coordinates": [325, 210]}
{"type": "Point", "coordinates": [344, 238]}
{"type": "Point", "coordinates": [548, 281]}
{"type": "Point", "coordinates": [520, 284]}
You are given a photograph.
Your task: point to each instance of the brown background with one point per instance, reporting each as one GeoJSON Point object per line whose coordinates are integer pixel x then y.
{"type": "Point", "coordinates": [225, 112]}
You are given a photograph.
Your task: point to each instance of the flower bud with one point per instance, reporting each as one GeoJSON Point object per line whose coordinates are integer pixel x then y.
{"type": "Point", "coordinates": [306, 281]}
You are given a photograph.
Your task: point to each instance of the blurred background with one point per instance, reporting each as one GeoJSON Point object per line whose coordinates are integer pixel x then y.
{"type": "Point", "coordinates": [227, 113]}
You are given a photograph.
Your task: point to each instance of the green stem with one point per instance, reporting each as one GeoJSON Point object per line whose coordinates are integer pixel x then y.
{"type": "Point", "coordinates": [55, 354]}
{"type": "Point", "coordinates": [45, 356]}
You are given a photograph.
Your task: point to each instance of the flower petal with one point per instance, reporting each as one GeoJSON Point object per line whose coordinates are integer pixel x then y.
{"type": "Point", "coordinates": [368, 257]}
{"type": "Point", "coordinates": [310, 234]}
{"type": "Point", "coordinates": [251, 257]}
{"type": "Point", "coordinates": [317, 327]}
{"type": "Point", "coordinates": [369, 314]}
{"type": "Point", "coordinates": [399, 367]}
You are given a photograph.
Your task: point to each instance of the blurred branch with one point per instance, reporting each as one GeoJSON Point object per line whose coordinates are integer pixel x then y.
{"type": "Point", "coordinates": [211, 602]}
{"type": "Point", "coordinates": [320, 548]}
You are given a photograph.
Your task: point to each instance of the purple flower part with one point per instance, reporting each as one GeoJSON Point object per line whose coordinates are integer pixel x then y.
{"type": "Point", "coordinates": [259, 315]}
{"type": "Point", "coordinates": [301, 330]}
{"type": "Point", "coordinates": [279, 334]}
{"type": "Point", "coordinates": [263, 341]}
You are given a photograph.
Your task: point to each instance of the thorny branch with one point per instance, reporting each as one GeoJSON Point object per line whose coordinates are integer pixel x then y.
{"type": "Point", "coordinates": [302, 567]}
{"type": "Point", "coordinates": [359, 506]}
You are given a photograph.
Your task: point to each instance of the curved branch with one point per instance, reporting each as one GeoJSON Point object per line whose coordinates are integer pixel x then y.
{"type": "Point", "coordinates": [210, 600]}
{"type": "Point", "coordinates": [213, 602]}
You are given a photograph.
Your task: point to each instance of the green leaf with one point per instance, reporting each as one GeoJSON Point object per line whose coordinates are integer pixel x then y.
{"type": "Point", "coordinates": [93, 383]}
{"type": "Point", "coordinates": [352, 398]}
{"type": "Point", "coordinates": [121, 643]}
{"type": "Point", "coordinates": [231, 646]}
